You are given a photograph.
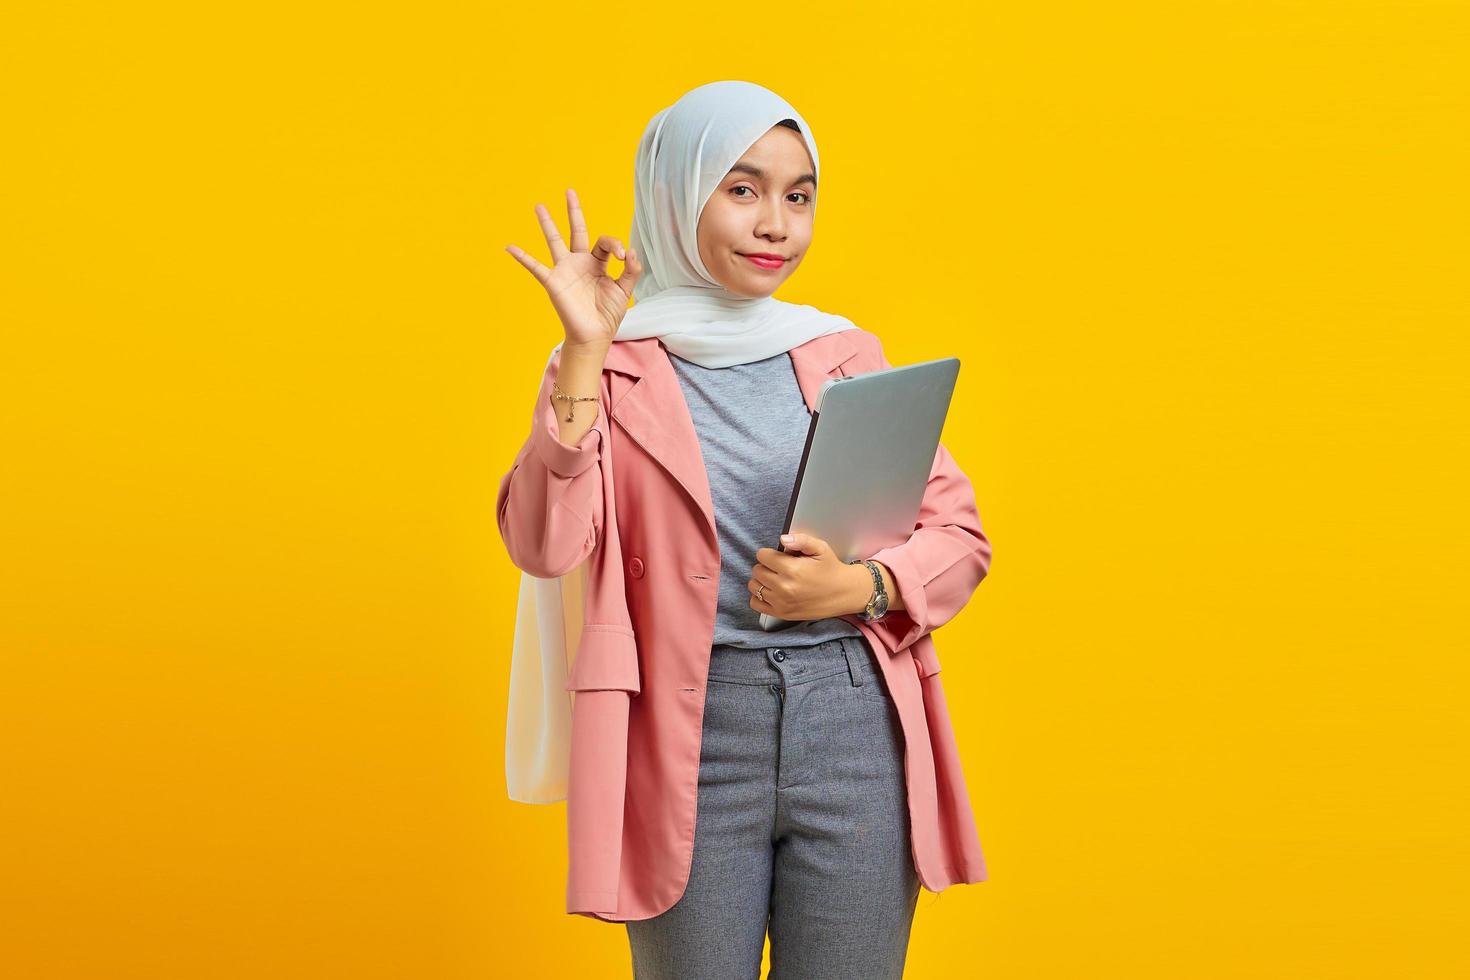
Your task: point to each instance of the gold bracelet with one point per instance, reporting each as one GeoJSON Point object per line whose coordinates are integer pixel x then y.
{"type": "Point", "coordinates": [558, 393]}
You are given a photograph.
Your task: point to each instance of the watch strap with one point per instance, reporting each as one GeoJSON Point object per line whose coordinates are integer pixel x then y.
{"type": "Point", "coordinates": [878, 590]}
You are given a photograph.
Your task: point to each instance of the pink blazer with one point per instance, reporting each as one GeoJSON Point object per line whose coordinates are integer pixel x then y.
{"type": "Point", "coordinates": [632, 499]}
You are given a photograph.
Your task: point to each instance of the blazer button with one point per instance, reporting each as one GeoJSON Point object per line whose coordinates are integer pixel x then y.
{"type": "Point", "coordinates": [636, 567]}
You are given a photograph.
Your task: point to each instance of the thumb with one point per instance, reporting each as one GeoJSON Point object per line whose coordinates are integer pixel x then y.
{"type": "Point", "coordinates": [802, 542]}
{"type": "Point", "coordinates": [632, 270]}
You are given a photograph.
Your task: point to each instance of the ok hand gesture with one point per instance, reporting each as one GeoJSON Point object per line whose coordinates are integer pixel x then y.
{"type": "Point", "coordinates": [589, 302]}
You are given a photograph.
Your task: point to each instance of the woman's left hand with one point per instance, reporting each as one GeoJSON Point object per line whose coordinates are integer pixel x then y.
{"type": "Point", "coordinates": [807, 581]}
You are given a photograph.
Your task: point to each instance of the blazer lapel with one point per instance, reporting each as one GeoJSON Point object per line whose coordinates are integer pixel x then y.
{"type": "Point", "coordinates": [654, 413]}
{"type": "Point", "coordinates": [821, 358]}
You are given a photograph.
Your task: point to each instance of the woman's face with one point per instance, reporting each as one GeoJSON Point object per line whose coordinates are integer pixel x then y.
{"type": "Point", "coordinates": [763, 206]}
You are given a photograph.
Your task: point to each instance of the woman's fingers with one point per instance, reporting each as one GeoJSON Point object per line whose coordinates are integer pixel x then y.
{"type": "Point", "coordinates": [537, 269]}
{"type": "Point", "coordinates": [606, 247]}
{"type": "Point", "coordinates": [552, 233]}
{"type": "Point", "coordinates": [579, 225]}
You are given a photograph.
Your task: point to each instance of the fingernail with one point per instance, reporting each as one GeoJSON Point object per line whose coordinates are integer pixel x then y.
{"type": "Point", "coordinates": [787, 539]}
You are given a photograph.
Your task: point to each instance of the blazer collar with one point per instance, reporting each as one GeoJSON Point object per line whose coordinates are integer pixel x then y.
{"type": "Point", "coordinates": [654, 413]}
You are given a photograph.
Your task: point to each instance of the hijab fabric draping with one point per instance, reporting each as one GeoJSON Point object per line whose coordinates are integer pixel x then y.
{"type": "Point", "coordinates": [685, 152]}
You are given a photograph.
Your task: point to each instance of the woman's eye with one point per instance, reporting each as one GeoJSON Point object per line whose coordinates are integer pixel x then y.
{"type": "Point", "coordinates": [806, 198]}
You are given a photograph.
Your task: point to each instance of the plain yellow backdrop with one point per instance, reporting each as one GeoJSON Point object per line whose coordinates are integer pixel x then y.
{"type": "Point", "coordinates": [265, 360]}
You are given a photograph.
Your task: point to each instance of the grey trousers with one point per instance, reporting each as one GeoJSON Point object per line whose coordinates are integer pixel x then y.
{"type": "Point", "coordinates": [802, 825]}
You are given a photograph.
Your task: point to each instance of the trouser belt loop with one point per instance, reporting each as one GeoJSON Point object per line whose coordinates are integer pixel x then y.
{"type": "Point", "coordinates": [852, 661]}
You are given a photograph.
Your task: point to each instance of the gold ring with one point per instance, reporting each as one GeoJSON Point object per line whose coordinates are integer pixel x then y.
{"type": "Point", "coordinates": [760, 593]}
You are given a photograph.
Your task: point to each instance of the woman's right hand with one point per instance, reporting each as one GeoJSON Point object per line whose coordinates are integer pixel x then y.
{"type": "Point", "coordinates": [589, 302]}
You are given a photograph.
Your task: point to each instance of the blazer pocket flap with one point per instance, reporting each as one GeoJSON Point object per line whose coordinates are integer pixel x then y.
{"type": "Point", "coordinates": [606, 660]}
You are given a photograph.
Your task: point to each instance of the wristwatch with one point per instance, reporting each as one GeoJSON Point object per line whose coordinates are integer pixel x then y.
{"type": "Point", "coordinates": [877, 606]}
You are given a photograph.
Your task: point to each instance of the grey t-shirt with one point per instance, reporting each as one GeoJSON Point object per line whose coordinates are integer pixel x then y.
{"type": "Point", "coordinates": [752, 422]}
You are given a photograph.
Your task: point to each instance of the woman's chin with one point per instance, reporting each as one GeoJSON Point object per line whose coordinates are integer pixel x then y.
{"type": "Point", "coordinates": [756, 286]}
{"type": "Point", "coordinates": [747, 289]}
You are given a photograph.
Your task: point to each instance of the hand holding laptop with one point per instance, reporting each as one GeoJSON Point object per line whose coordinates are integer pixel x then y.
{"type": "Point", "coordinates": [807, 580]}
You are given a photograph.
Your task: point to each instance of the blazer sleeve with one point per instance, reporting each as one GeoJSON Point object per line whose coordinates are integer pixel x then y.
{"type": "Point", "coordinates": [549, 506]}
{"type": "Point", "coordinates": [942, 563]}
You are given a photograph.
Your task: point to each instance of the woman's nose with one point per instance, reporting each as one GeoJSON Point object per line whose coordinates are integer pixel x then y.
{"type": "Point", "coordinates": [771, 224]}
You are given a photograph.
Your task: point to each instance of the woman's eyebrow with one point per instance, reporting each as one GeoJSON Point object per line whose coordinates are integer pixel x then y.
{"type": "Point", "coordinates": [760, 174]}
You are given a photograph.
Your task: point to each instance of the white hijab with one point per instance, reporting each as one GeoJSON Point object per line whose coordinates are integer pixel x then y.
{"type": "Point", "coordinates": [686, 151]}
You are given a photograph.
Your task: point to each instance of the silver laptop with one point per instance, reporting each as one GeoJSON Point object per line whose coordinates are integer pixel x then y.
{"type": "Point", "coordinates": [869, 451]}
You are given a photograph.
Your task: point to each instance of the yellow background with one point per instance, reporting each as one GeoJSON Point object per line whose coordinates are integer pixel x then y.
{"type": "Point", "coordinates": [265, 360]}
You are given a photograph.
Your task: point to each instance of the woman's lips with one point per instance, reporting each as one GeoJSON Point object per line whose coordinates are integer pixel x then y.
{"type": "Point", "coordinates": [765, 263]}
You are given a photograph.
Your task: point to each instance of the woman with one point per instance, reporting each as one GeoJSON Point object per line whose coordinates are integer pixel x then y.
{"type": "Point", "coordinates": [722, 780]}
